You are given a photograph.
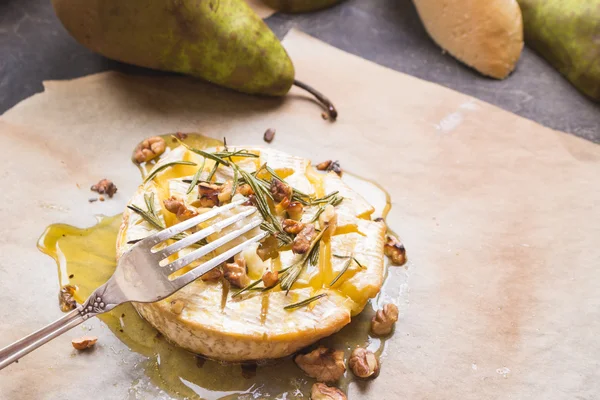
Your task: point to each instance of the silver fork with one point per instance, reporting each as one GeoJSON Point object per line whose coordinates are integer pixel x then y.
{"type": "Point", "coordinates": [140, 277]}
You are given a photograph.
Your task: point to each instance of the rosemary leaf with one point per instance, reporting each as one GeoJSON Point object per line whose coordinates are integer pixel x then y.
{"type": "Point", "coordinates": [249, 287]}
{"type": "Point", "coordinates": [343, 271]}
{"type": "Point", "coordinates": [236, 176]}
{"type": "Point", "coordinates": [147, 216]}
{"type": "Point", "coordinates": [196, 177]}
{"type": "Point", "coordinates": [359, 264]}
{"type": "Point", "coordinates": [212, 173]}
{"type": "Point", "coordinates": [156, 170]}
{"type": "Point", "coordinates": [294, 271]}
{"type": "Point", "coordinates": [304, 302]}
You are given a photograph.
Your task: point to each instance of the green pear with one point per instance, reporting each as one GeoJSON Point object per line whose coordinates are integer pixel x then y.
{"type": "Point", "coordinates": [221, 41]}
{"type": "Point", "coordinates": [566, 34]}
{"type": "Point", "coordinates": [299, 6]}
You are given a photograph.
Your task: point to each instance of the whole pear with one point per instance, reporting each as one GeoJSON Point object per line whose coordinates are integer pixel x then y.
{"type": "Point", "coordinates": [567, 34]}
{"type": "Point", "coordinates": [222, 41]}
{"type": "Point", "coordinates": [299, 6]}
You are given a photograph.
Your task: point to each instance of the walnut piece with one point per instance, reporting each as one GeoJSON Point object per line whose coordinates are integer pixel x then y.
{"type": "Point", "coordinates": [303, 239]}
{"type": "Point", "coordinates": [280, 190]}
{"type": "Point", "coordinates": [363, 363]}
{"type": "Point", "coordinates": [212, 275]}
{"type": "Point", "coordinates": [328, 220]}
{"type": "Point", "coordinates": [321, 391]}
{"type": "Point", "coordinates": [282, 206]}
{"type": "Point", "coordinates": [245, 190]}
{"type": "Point", "coordinates": [292, 227]}
{"type": "Point", "coordinates": [104, 186]}
{"type": "Point", "coordinates": [384, 320]}
{"type": "Point", "coordinates": [65, 298]}
{"type": "Point", "coordinates": [294, 210]}
{"type": "Point", "coordinates": [149, 149]}
{"type": "Point", "coordinates": [330, 166]}
{"type": "Point", "coordinates": [178, 207]}
{"type": "Point", "coordinates": [322, 166]}
{"type": "Point", "coordinates": [177, 306]}
{"type": "Point", "coordinates": [84, 342]}
{"type": "Point", "coordinates": [323, 364]}
{"type": "Point", "coordinates": [236, 273]}
{"type": "Point", "coordinates": [208, 194]}
{"type": "Point", "coordinates": [269, 135]}
{"type": "Point", "coordinates": [225, 193]}
{"type": "Point", "coordinates": [395, 250]}
{"type": "Point", "coordinates": [270, 278]}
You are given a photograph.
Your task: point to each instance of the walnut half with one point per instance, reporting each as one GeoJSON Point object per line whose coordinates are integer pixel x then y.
{"type": "Point", "coordinates": [149, 149]}
{"type": "Point", "coordinates": [321, 391]}
{"type": "Point", "coordinates": [363, 363]}
{"type": "Point", "coordinates": [383, 321]}
{"type": "Point", "coordinates": [84, 342]}
{"type": "Point", "coordinates": [323, 364]}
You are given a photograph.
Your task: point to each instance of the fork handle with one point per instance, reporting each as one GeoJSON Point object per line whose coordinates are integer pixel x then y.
{"type": "Point", "coordinates": [22, 347]}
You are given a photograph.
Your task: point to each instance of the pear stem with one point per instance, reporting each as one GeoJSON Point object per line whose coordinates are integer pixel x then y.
{"type": "Point", "coordinates": [319, 96]}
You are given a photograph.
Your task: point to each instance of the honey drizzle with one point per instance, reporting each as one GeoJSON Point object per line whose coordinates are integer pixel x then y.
{"type": "Point", "coordinates": [86, 259]}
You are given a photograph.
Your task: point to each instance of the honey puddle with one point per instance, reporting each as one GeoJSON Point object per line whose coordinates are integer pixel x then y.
{"type": "Point", "coordinates": [86, 259]}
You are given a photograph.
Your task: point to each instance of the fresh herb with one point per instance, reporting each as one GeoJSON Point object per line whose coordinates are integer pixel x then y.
{"type": "Point", "coordinates": [159, 168]}
{"type": "Point", "coordinates": [332, 198]}
{"type": "Point", "coordinates": [149, 215]}
{"type": "Point", "coordinates": [345, 267]}
{"type": "Point", "coordinates": [311, 256]}
{"type": "Point", "coordinates": [196, 177]}
{"type": "Point", "coordinates": [304, 302]}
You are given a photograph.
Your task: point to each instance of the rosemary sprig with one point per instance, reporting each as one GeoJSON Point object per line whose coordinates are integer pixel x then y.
{"type": "Point", "coordinates": [156, 170]}
{"type": "Point", "coordinates": [304, 302]}
{"type": "Point", "coordinates": [196, 177]}
{"type": "Point", "coordinates": [212, 173]}
{"type": "Point", "coordinates": [332, 198]}
{"type": "Point", "coordinates": [148, 215]}
{"type": "Point", "coordinates": [296, 269]}
{"type": "Point", "coordinates": [345, 267]}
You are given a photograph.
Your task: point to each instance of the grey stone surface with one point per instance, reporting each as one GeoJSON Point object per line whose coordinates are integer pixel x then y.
{"type": "Point", "coordinates": [35, 47]}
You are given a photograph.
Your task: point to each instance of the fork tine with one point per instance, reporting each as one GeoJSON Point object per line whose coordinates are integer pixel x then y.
{"type": "Point", "coordinates": [187, 224]}
{"type": "Point", "coordinates": [204, 250]}
{"type": "Point", "coordinates": [191, 239]}
{"type": "Point", "coordinates": [213, 262]}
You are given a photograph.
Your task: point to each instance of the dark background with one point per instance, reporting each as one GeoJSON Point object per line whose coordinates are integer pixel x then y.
{"type": "Point", "coordinates": [34, 47]}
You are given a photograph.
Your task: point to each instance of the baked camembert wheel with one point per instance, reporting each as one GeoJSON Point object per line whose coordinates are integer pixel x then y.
{"type": "Point", "coordinates": [322, 262]}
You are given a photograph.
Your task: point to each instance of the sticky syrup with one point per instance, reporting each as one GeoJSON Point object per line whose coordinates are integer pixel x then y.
{"type": "Point", "coordinates": [86, 259]}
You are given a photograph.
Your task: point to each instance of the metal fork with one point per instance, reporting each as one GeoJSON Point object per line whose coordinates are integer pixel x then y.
{"type": "Point", "coordinates": [141, 278]}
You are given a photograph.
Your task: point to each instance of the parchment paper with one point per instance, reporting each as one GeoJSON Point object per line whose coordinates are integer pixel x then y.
{"type": "Point", "coordinates": [499, 215]}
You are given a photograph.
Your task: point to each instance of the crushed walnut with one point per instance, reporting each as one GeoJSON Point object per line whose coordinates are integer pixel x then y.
{"type": "Point", "coordinates": [178, 207]}
{"type": "Point", "coordinates": [323, 364]}
{"type": "Point", "coordinates": [303, 239]}
{"type": "Point", "coordinates": [104, 186]}
{"type": "Point", "coordinates": [84, 342]}
{"type": "Point", "coordinates": [292, 227]}
{"type": "Point", "coordinates": [363, 363]}
{"type": "Point", "coordinates": [328, 221]}
{"type": "Point", "coordinates": [148, 149]}
{"type": "Point", "coordinates": [212, 275]}
{"type": "Point", "coordinates": [245, 190]}
{"type": "Point", "coordinates": [294, 210]}
{"type": "Point", "coordinates": [236, 273]}
{"type": "Point", "coordinates": [225, 192]}
{"type": "Point", "coordinates": [270, 278]}
{"type": "Point", "coordinates": [395, 250]}
{"type": "Point", "coordinates": [177, 306]}
{"type": "Point", "coordinates": [65, 298]}
{"type": "Point", "coordinates": [208, 194]}
{"type": "Point", "coordinates": [180, 136]}
{"type": "Point", "coordinates": [330, 166]}
{"type": "Point", "coordinates": [321, 391]}
{"type": "Point", "coordinates": [280, 190]}
{"type": "Point", "coordinates": [383, 321]}
{"type": "Point", "coordinates": [269, 135]}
